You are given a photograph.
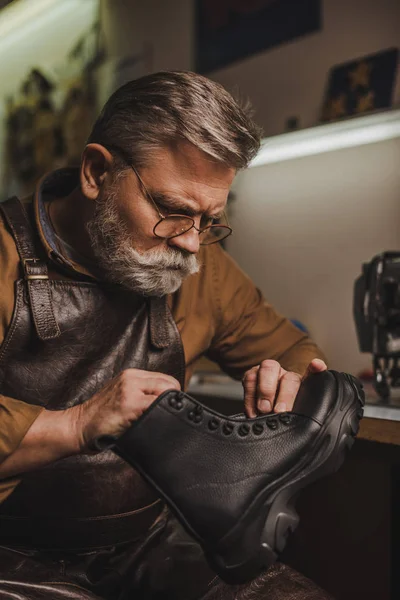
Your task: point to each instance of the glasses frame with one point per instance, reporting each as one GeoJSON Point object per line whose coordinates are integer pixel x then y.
{"type": "Point", "coordinates": [150, 199]}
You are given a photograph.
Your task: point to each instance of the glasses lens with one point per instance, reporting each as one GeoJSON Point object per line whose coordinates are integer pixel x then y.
{"type": "Point", "coordinates": [172, 226]}
{"type": "Point", "coordinates": [214, 233]}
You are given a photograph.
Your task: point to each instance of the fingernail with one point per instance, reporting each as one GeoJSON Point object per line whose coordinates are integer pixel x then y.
{"type": "Point", "coordinates": [318, 362]}
{"type": "Point", "coordinates": [280, 407]}
{"type": "Point", "coordinates": [264, 406]}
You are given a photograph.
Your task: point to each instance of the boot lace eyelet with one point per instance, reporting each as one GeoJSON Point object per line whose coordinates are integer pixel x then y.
{"type": "Point", "coordinates": [272, 422]}
{"type": "Point", "coordinates": [196, 414]}
{"type": "Point", "coordinates": [227, 428]}
{"type": "Point", "coordinates": [258, 428]}
{"type": "Point", "coordinates": [285, 418]}
{"type": "Point", "coordinates": [213, 424]}
{"type": "Point", "coordinates": [244, 430]}
{"type": "Point", "coordinates": [175, 402]}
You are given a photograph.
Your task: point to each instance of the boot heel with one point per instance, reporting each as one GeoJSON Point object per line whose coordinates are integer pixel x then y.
{"type": "Point", "coordinates": [277, 528]}
{"type": "Point", "coordinates": [285, 526]}
{"type": "Point", "coordinates": [282, 520]}
{"type": "Point", "coordinates": [240, 573]}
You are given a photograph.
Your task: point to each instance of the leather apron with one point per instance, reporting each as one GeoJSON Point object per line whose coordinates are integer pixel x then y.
{"type": "Point", "coordinates": [67, 339]}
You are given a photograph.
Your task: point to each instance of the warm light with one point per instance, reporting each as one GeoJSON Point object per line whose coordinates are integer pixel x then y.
{"type": "Point", "coordinates": [20, 12]}
{"type": "Point", "coordinates": [333, 136]}
{"type": "Point", "coordinates": [23, 17]}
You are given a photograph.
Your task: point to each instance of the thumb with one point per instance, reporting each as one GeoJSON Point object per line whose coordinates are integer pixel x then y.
{"type": "Point", "coordinates": [316, 366]}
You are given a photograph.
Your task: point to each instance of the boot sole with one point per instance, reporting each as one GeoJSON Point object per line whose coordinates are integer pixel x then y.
{"type": "Point", "coordinates": [329, 451]}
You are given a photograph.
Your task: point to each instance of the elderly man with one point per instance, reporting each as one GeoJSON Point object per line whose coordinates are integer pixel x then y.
{"type": "Point", "coordinates": [112, 288]}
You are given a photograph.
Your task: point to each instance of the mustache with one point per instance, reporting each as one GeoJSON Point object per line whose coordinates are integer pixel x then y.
{"type": "Point", "coordinates": [156, 271]}
{"type": "Point", "coordinates": [166, 258]}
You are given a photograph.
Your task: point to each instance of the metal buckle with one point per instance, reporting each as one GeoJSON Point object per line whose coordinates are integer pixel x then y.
{"type": "Point", "coordinates": [28, 276]}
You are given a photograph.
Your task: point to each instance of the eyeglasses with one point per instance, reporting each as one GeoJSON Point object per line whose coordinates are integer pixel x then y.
{"type": "Point", "coordinates": [173, 225]}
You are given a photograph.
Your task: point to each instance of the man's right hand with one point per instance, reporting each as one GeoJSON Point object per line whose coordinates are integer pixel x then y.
{"type": "Point", "coordinates": [121, 401]}
{"type": "Point", "coordinates": [56, 434]}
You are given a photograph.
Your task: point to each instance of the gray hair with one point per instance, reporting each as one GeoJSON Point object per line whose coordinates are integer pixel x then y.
{"type": "Point", "coordinates": [164, 108]}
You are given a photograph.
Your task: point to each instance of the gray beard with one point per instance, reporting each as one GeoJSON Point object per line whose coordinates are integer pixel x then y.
{"type": "Point", "coordinates": [155, 272]}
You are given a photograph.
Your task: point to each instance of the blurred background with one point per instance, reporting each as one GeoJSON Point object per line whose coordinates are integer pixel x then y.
{"type": "Point", "coordinates": [320, 199]}
{"type": "Point", "coordinates": [322, 75]}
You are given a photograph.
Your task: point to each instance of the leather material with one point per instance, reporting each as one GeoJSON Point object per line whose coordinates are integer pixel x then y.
{"type": "Point", "coordinates": [280, 582]}
{"type": "Point", "coordinates": [128, 575]}
{"type": "Point", "coordinates": [35, 270]}
{"type": "Point", "coordinates": [228, 479]}
{"type": "Point", "coordinates": [103, 330]}
{"type": "Point", "coordinates": [212, 476]}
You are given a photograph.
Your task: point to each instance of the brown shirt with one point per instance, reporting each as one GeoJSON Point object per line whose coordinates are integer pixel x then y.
{"type": "Point", "coordinates": [219, 312]}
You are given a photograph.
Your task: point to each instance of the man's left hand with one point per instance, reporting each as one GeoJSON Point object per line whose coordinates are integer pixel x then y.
{"type": "Point", "coordinates": [270, 388]}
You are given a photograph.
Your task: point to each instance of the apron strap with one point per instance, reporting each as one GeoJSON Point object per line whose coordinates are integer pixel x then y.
{"type": "Point", "coordinates": [34, 268]}
{"type": "Point", "coordinates": [158, 312]}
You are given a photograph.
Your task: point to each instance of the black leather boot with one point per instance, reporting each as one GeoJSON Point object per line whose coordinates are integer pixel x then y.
{"type": "Point", "coordinates": [232, 481]}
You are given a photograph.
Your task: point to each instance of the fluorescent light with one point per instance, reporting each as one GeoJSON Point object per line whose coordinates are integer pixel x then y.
{"type": "Point", "coordinates": [20, 12]}
{"type": "Point", "coordinates": [23, 19]}
{"type": "Point", "coordinates": [357, 131]}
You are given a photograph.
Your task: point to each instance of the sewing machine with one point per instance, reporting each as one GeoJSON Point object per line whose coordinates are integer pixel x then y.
{"type": "Point", "coordinates": [376, 310]}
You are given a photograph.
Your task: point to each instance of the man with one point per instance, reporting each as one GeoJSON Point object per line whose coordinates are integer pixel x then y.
{"type": "Point", "coordinates": [112, 288]}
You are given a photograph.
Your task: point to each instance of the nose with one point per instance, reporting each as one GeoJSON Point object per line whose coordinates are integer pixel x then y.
{"type": "Point", "coordinates": [188, 241]}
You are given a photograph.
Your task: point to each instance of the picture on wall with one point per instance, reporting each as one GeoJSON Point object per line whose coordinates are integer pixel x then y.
{"type": "Point", "coordinates": [360, 86]}
{"type": "Point", "coordinates": [231, 30]}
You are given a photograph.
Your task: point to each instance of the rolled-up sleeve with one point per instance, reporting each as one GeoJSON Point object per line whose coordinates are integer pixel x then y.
{"type": "Point", "coordinates": [249, 329]}
{"type": "Point", "coordinates": [16, 418]}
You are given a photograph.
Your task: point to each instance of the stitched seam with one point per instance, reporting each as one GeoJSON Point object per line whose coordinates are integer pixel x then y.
{"type": "Point", "coordinates": [37, 289]}
{"type": "Point", "coordinates": [32, 301]}
{"type": "Point", "coordinates": [13, 327]}
{"type": "Point", "coordinates": [53, 325]}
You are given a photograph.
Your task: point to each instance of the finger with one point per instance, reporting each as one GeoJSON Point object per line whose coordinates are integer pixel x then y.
{"type": "Point", "coordinates": [145, 374]}
{"type": "Point", "coordinates": [249, 383]}
{"type": "Point", "coordinates": [145, 401]}
{"type": "Point", "coordinates": [267, 384]}
{"type": "Point", "coordinates": [138, 374]}
{"type": "Point", "coordinates": [316, 366]}
{"type": "Point", "coordinates": [131, 387]}
{"type": "Point", "coordinates": [141, 402]}
{"type": "Point", "coordinates": [156, 387]}
{"type": "Point", "coordinates": [288, 387]}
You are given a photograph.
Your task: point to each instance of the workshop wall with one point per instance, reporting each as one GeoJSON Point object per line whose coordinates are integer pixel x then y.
{"type": "Point", "coordinates": [288, 80]}
{"type": "Point", "coordinates": [303, 226]}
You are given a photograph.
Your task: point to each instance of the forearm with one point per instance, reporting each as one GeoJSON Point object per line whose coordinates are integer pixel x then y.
{"type": "Point", "coordinates": [51, 436]}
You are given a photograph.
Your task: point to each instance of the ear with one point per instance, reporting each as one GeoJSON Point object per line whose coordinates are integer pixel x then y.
{"type": "Point", "coordinates": [95, 168]}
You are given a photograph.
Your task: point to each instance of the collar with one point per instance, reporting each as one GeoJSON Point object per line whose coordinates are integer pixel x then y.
{"type": "Point", "coordinates": [55, 184]}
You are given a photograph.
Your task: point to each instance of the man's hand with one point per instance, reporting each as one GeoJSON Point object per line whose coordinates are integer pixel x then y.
{"type": "Point", "coordinates": [268, 387]}
{"type": "Point", "coordinates": [121, 401]}
{"type": "Point", "coordinates": [56, 434]}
